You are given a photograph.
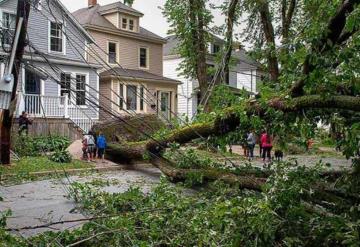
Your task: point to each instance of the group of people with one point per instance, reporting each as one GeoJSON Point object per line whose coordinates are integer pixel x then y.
{"type": "Point", "coordinates": [93, 146]}
{"type": "Point", "coordinates": [265, 145]}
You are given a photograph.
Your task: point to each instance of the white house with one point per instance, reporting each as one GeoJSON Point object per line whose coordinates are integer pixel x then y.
{"type": "Point", "coordinates": [246, 74]}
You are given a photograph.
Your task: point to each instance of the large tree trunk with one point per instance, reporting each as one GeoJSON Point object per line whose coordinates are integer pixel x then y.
{"type": "Point", "coordinates": [228, 123]}
{"type": "Point", "coordinates": [199, 41]}
{"type": "Point", "coordinates": [231, 18]}
{"type": "Point", "coordinates": [268, 29]}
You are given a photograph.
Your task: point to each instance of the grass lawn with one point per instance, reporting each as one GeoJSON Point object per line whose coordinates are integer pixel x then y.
{"type": "Point", "coordinates": [39, 164]}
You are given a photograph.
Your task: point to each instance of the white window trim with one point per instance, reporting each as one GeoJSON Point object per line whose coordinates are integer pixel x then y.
{"type": "Point", "coordinates": [73, 88]}
{"type": "Point", "coordinates": [9, 11]}
{"type": "Point", "coordinates": [128, 24]}
{"type": "Point", "coordinates": [125, 108]}
{"type": "Point", "coordinates": [117, 51]}
{"type": "Point", "coordinates": [23, 81]}
{"type": "Point", "coordinates": [63, 39]}
{"type": "Point", "coordinates": [147, 58]}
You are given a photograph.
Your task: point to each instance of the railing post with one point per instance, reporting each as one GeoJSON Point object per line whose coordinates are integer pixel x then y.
{"type": "Point", "coordinates": [66, 106]}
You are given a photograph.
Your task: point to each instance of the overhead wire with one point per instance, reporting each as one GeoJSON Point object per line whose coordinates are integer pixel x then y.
{"type": "Point", "coordinates": [181, 120]}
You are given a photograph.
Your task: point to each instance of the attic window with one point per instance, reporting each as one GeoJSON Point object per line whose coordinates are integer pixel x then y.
{"type": "Point", "coordinates": [124, 23]}
{"type": "Point", "coordinates": [131, 25]}
{"type": "Point", "coordinates": [128, 24]}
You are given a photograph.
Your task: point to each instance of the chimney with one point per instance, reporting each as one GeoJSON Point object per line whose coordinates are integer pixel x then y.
{"type": "Point", "coordinates": [92, 3]}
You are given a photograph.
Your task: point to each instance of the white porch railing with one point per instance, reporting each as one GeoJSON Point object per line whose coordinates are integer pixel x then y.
{"type": "Point", "coordinates": [40, 106]}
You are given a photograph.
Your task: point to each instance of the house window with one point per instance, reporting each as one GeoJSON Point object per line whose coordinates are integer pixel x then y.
{"type": "Point", "coordinates": [141, 98]}
{"type": "Point", "coordinates": [56, 37]}
{"type": "Point", "coordinates": [124, 23]}
{"type": "Point", "coordinates": [80, 89]}
{"type": "Point", "coordinates": [8, 27]}
{"type": "Point", "coordinates": [112, 52]}
{"type": "Point", "coordinates": [65, 84]}
{"type": "Point", "coordinates": [131, 97]}
{"type": "Point", "coordinates": [143, 58]}
{"type": "Point", "coordinates": [121, 94]}
{"type": "Point", "coordinates": [216, 49]}
{"type": "Point", "coordinates": [131, 25]}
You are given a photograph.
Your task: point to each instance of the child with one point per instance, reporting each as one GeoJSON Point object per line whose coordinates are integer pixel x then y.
{"type": "Point", "coordinates": [101, 145]}
{"type": "Point", "coordinates": [85, 148]}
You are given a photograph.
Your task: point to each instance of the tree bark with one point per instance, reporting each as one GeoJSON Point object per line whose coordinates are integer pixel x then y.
{"type": "Point", "coordinates": [287, 16]}
{"type": "Point", "coordinates": [199, 41]}
{"type": "Point", "coordinates": [229, 122]}
{"type": "Point", "coordinates": [231, 18]}
{"type": "Point", "coordinates": [268, 29]}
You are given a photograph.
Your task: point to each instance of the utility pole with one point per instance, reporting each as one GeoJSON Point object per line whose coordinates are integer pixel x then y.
{"type": "Point", "coordinates": [23, 10]}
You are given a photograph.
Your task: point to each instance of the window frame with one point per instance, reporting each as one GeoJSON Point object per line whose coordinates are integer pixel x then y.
{"type": "Point", "coordinates": [63, 38]}
{"type": "Point", "coordinates": [72, 91]}
{"type": "Point", "coordinates": [217, 50]}
{"type": "Point", "coordinates": [127, 24]}
{"type": "Point", "coordinates": [80, 90]}
{"type": "Point", "coordinates": [65, 88]}
{"type": "Point", "coordinates": [136, 97]}
{"type": "Point", "coordinates": [116, 52]}
{"type": "Point", "coordinates": [147, 57]}
{"type": "Point", "coordinates": [9, 12]}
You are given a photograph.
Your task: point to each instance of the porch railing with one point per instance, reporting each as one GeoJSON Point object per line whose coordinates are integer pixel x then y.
{"type": "Point", "coordinates": [54, 107]}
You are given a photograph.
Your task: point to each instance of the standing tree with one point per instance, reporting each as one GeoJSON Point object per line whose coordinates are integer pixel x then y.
{"type": "Point", "coordinates": [189, 21]}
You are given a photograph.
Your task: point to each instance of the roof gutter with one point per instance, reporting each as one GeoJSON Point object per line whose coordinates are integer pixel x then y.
{"type": "Point", "coordinates": [130, 35]}
{"type": "Point", "coordinates": [173, 82]}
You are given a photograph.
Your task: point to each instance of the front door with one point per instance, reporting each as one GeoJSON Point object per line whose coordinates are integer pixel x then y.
{"type": "Point", "coordinates": [32, 93]}
{"type": "Point", "coordinates": [165, 105]}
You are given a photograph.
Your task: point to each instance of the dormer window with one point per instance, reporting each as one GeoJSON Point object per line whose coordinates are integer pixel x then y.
{"type": "Point", "coordinates": [128, 24]}
{"type": "Point", "coordinates": [124, 23]}
{"type": "Point", "coordinates": [131, 25]}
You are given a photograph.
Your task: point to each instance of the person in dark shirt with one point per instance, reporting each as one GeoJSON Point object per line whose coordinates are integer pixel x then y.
{"type": "Point", "coordinates": [24, 123]}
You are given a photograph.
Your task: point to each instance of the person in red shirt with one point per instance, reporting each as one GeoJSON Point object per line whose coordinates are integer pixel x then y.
{"type": "Point", "coordinates": [266, 144]}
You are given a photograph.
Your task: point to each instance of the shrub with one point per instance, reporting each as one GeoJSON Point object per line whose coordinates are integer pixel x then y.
{"type": "Point", "coordinates": [61, 156]}
{"type": "Point", "coordinates": [34, 146]}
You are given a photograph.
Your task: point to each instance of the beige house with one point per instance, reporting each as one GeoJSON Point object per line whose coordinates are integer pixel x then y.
{"type": "Point", "coordinates": [133, 77]}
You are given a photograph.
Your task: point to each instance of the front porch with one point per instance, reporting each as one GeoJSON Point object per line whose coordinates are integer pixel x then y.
{"type": "Point", "coordinates": [54, 107]}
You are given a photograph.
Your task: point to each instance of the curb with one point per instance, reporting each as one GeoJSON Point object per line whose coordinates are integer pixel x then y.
{"type": "Point", "coordinates": [69, 171]}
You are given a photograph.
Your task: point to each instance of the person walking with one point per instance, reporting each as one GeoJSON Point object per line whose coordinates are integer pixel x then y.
{"type": "Point", "coordinates": [101, 145]}
{"type": "Point", "coordinates": [90, 142]}
{"type": "Point", "coordinates": [84, 149]}
{"type": "Point", "coordinates": [266, 143]}
{"type": "Point", "coordinates": [24, 123]}
{"type": "Point", "coordinates": [93, 133]}
{"type": "Point", "coordinates": [260, 144]}
{"type": "Point", "coordinates": [251, 141]}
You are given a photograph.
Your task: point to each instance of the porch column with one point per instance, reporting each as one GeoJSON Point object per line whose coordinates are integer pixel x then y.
{"type": "Point", "coordinates": [21, 104]}
{"type": "Point", "coordinates": [66, 106]}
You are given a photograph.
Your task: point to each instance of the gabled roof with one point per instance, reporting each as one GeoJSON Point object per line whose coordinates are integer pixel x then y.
{"type": "Point", "coordinates": [136, 75]}
{"type": "Point", "coordinates": [119, 6]}
{"type": "Point", "coordinates": [91, 17]}
{"type": "Point", "coordinates": [173, 42]}
{"type": "Point", "coordinates": [71, 18]}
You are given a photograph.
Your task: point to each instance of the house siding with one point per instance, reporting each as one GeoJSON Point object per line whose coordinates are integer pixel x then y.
{"type": "Point", "coordinates": [38, 31]}
{"type": "Point", "coordinates": [128, 50]}
{"type": "Point", "coordinates": [186, 105]}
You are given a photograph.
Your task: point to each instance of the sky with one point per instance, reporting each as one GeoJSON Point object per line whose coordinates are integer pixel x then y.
{"type": "Point", "coordinates": [153, 19]}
